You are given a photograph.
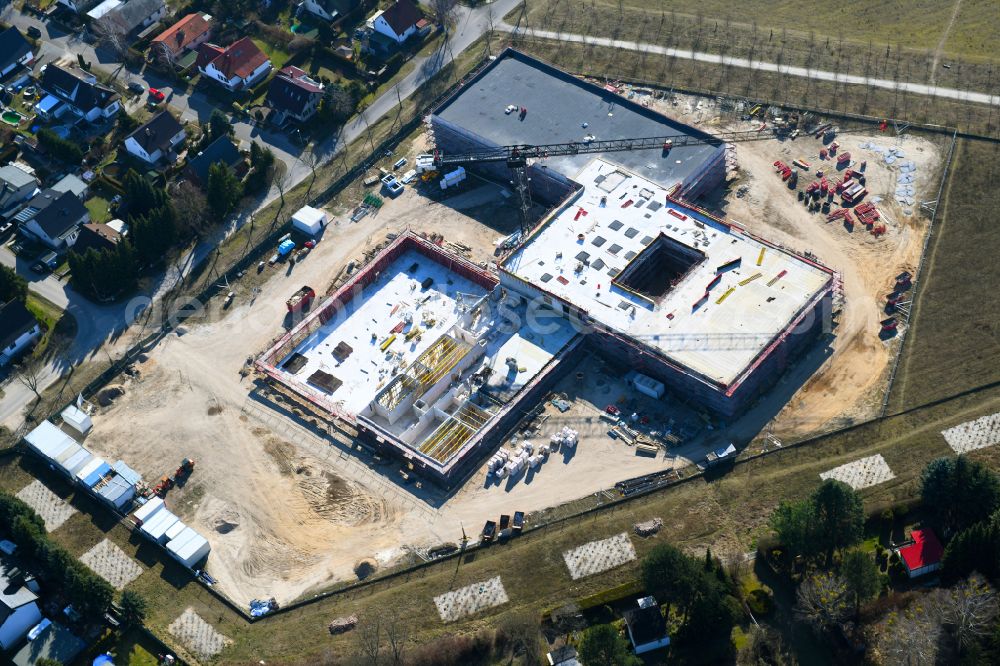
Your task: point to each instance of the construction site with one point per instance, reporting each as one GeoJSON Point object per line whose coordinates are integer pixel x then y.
{"type": "Point", "coordinates": [657, 303]}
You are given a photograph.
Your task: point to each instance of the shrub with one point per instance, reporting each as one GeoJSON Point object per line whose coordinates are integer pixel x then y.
{"type": "Point", "coordinates": [760, 601]}
{"type": "Point", "coordinates": [58, 147]}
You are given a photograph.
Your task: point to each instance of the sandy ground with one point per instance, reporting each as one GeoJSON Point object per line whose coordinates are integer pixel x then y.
{"type": "Point", "coordinates": [849, 383]}
{"type": "Point", "coordinates": [288, 512]}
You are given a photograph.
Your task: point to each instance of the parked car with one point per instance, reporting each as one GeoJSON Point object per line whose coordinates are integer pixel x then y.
{"type": "Point", "coordinates": [46, 263]}
{"type": "Point", "coordinates": [135, 87]}
{"type": "Point", "coordinates": [34, 32]}
{"type": "Point", "coordinates": [156, 95]}
{"type": "Point", "coordinates": [5, 229]}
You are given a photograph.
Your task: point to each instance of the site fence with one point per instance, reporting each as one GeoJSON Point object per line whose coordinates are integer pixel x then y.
{"type": "Point", "coordinates": [603, 501]}
{"type": "Point", "coordinates": [918, 273]}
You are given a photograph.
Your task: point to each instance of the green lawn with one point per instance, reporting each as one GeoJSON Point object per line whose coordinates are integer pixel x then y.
{"type": "Point", "coordinates": [277, 56]}
{"type": "Point", "coordinates": [132, 648]}
{"type": "Point", "coordinates": [97, 206]}
{"type": "Point", "coordinates": [56, 323]}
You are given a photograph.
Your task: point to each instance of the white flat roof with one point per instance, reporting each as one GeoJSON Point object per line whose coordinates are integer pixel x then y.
{"type": "Point", "coordinates": [718, 340]}
{"type": "Point", "coordinates": [376, 311]}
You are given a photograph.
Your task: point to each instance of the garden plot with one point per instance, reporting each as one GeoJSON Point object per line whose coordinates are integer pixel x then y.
{"type": "Point", "coordinates": [862, 473]}
{"type": "Point", "coordinates": [972, 435]}
{"type": "Point", "coordinates": [471, 599]}
{"type": "Point", "coordinates": [598, 556]}
{"type": "Point", "coordinates": [198, 636]}
{"type": "Point", "coordinates": [54, 510]}
{"type": "Point", "coordinates": [112, 564]}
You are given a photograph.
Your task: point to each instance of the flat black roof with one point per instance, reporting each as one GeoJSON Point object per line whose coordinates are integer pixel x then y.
{"type": "Point", "coordinates": [558, 104]}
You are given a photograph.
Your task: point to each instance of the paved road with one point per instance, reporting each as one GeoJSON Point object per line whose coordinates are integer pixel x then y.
{"type": "Point", "coordinates": [96, 324]}
{"type": "Point", "coordinates": [744, 63]}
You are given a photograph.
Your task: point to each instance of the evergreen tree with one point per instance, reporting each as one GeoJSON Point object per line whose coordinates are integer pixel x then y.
{"type": "Point", "coordinates": [13, 287]}
{"type": "Point", "coordinates": [224, 190]}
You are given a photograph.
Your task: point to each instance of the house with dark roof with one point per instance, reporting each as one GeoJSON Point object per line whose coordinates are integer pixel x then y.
{"type": "Point", "coordinates": [78, 6]}
{"type": "Point", "coordinates": [182, 37]}
{"type": "Point", "coordinates": [923, 554]}
{"type": "Point", "coordinates": [329, 10]}
{"type": "Point", "coordinates": [221, 150]}
{"type": "Point", "coordinates": [73, 90]}
{"type": "Point", "coordinates": [18, 329]}
{"type": "Point", "coordinates": [54, 642]}
{"type": "Point", "coordinates": [15, 51]}
{"type": "Point", "coordinates": [135, 15]}
{"type": "Point", "coordinates": [16, 187]}
{"type": "Point", "coordinates": [18, 604]}
{"type": "Point", "coordinates": [646, 627]}
{"type": "Point", "coordinates": [398, 22]}
{"type": "Point", "coordinates": [98, 237]}
{"type": "Point", "coordinates": [156, 139]}
{"type": "Point", "coordinates": [293, 96]}
{"type": "Point", "coordinates": [54, 219]}
{"type": "Point", "coordinates": [238, 66]}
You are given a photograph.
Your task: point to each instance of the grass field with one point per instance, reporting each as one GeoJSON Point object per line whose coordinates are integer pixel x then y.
{"type": "Point", "coordinates": [58, 325]}
{"type": "Point", "coordinates": [954, 342]}
{"type": "Point", "coordinates": [729, 514]}
{"type": "Point", "coordinates": [847, 37]}
{"type": "Point", "coordinates": [612, 63]}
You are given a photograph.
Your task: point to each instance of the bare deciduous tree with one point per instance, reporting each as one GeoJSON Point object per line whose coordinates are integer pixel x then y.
{"type": "Point", "coordinates": [822, 600]}
{"type": "Point", "coordinates": [968, 610]}
{"type": "Point", "coordinates": [29, 374]}
{"type": "Point", "coordinates": [381, 638]}
{"type": "Point", "coordinates": [112, 32]}
{"type": "Point", "coordinates": [522, 631]}
{"type": "Point", "coordinates": [908, 638]}
{"type": "Point", "coordinates": [443, 12]}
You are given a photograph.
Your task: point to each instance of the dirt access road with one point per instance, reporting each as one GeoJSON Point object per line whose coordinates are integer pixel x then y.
{"type": "Point", "coordinates": [846, 382]}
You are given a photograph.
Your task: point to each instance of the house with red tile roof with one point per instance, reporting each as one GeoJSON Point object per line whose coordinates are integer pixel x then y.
{"type": "Point", "coordinates": [182, 37]}
{"type": "Point", "coordinates": [237, 66]}
{"type": "Point", "coordinates": [923, 555]}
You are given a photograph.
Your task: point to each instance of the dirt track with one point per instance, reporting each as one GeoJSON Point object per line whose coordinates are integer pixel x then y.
{"type": "Point", "coordinates": [287, 514]}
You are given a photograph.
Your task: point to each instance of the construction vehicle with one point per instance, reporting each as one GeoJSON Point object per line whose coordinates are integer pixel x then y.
{"type": "Point", "coordinates": [301, 299]}
{"type": "Point", "coordinates": [166, 483]}
{"type": "Point", "coordinates": [517, 157]}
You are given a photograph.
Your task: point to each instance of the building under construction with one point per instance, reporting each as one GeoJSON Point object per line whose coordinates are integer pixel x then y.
{"type": "Point", "coordinates": [518, 100]}
{"type": "Point", "coordinates": [434, 359]}
{"type": "Point", "coordinates": [422, 356]}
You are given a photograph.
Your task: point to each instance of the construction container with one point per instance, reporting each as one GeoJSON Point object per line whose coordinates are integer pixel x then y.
{"type": "Point", "coordinates": [147, 511]}
{"type": "Point", "coordinates": [646, 385]}
{"type": "Point", "coordinates": [77, 419]}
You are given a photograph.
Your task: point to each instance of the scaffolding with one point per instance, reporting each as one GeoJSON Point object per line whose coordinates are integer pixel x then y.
{"type": "Point", "coordinates": [425, 371]}
{"type": "Point", "coordinates": [456, 430]}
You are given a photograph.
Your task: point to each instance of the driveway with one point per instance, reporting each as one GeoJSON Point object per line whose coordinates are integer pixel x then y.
{"type": "Point", "coordinates": [96, 324]}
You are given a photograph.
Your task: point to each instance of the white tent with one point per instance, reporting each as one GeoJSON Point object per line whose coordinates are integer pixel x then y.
{"type": "Point", "coordinates": [147, 510]}
{"type": "Point", "coordinates": [189, 548]}
{"type": "Point", "coordinates": [309, 220]}
{"type": "Point", "coordinates": [77, 419]}
{"type": "Point", "coordinates": [48, 440]}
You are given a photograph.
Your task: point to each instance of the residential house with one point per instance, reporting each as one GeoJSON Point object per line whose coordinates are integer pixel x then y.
{"type": "Point", "coordinates": [78, 6]}
{"type": "Point", "coordinates": [329, 10]}
{"type": "Point", "coordinates": [646, 627]}
{"type": "Point", "coordinates": [398, 22]}
{"type": "Point", "coordinates": [156, 139]}
{"type": "Point", "coordinates": [221, 150]}
{"type": "Point", "coordinates": [182, 38]}
{"type": "Point", "coordinates": [18, 605]}
{"type": "Point", "coordinates": [293, 96]}
{"type": "Point", "coordinates": [71, 183]}
{"type": "Point", "coordinates": [134, 15]}
{"type": "Point", "coordinates": [15, 51]}
{"type": "Point", "coordinates": [18, 329]}
{"type": "Point", "coordinates": [923, 555]}
{"type": "Point", "coordinates": [16, 187]}
{"type": "Point", "coordinates": [98, 237]}
{"type": "Point", "coordinates": [238, 66]}
{"type": "Point", "coordinates": [76, 91]}
{"type": "Point", "coordinates": [103, 9]}
{"type": "Point", "coordinates": [54, 219]}
{"type": "Point", "coordinates": [54, 642]}
{"type": "Point", "coordinates": [563, 656]}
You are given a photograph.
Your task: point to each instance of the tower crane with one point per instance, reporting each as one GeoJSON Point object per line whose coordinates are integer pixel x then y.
{"type": "Point", "coordinates": [517, 156]}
